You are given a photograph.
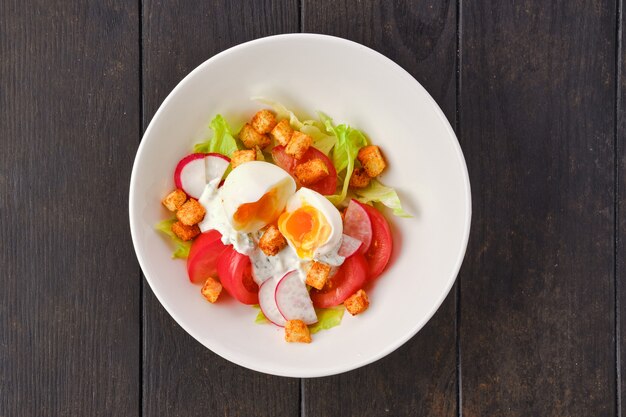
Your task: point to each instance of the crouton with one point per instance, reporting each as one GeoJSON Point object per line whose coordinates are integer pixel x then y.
{"type": "Point", "coordinates": [282, 132]}
{"type": "Point", "coordinates": [296, 331]}
{"type": "Point", "coordinates": [318, 275]}
{"type": "Point", "coordinates": [298, 144]}
{"type": "Point", "coordinates": [175, 199]}
{"type": "Point", "coordinates": [211, 289]}
{"type": "Point", "coordinates": [191, 212]}
{"type": "Point", "coordinates": [372, 160]}
{"type": "Point", "coordinates": [272, 241]}
{"type": "Point", "coordinates": [359, 178]}
{"type": "Point", "coordinates": [311, 171]}
{"type": "Point", "coordinates": [252, 138]}
{"type": "Point", "coordinates": [239, 157]}
{"type": "Point", "coordinates": [357, 303]}
{"type": "Point", "coordinates": [185, 232]}
{"type": "Point", "coordinates": [263, 121]}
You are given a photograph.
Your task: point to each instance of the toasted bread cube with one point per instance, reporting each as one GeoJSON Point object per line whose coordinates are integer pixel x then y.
{"type": "Point", "coordinates": [251, 138]}
{"type": "Point", "coordinates": [239, 157]}
{"type": "Point", "coordinates": [191, 212]}
{"type": "Point", "coordinates": [298, 144]}
{"type": "Point", "coordinates": [357, 303]}
{"type": "Point", "coordinates": [272, 241]}
{"type": "Point", "coordinates": [175, 199]}
{"type": "Point", "coordinates": [297, 332]}
{"type": "Point", "coordinates": [359, 178]}
{"type": "Point", "coordinates": [263, 121]}
{"type": "Point", "coordinates": [211, 289]}
{"type": "Point", "coordinates": [282, 132]}
{"type": "Point", "coordinates": [318, 275]}
{"type": "Point", "coordinates": [372, 160]}
{"type": "Point", "coordinates": [185, 232]}
{"type": "Point", "coordinates": [311, 171]}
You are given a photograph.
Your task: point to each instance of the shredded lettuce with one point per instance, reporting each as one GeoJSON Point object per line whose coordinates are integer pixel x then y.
{"type": "Point", "coordinates": [349, 141]}
{"type": "Point", "coordinates": [182, 247]}
{"type": "Point", "coordinates": [375, 192]}
{"type": "Point", "coordinates": [260, 317]}
{"type": "Point", "coordinates": [327, 318]}
{"type": "Point", "coordinates": [223, 140]}
{"type": "Point", "coordinates": [321, 141]}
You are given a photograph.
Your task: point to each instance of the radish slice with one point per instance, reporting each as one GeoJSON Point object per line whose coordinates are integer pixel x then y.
{"type": "Point", "coordinates": [293, 299]}
{"type": "Point", "coordinates": [190, 175]}
{"type": "Point", "coordinates": [267, 302]}
{"type": "Point", "coordinates": [215, 165]}
{"type": "Point", "coordinates": [357, 224]}
{"type": "Point", "coordinates": [349, 245]}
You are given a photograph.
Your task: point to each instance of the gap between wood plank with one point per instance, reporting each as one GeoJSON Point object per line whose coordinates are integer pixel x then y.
{"type": "Point", "coordinates": [457, 127]}
{"type": "Point", "coordinates": [616, 190]}
{"type": "Point", "coordinates": [141, 116]}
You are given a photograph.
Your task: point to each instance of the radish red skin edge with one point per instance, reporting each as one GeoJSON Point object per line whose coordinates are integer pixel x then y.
{"type": "Point", "coordinates": [187, 159]}
{"type": "Point", "coordinates": [292, 299]}
{"type": "Point", "coordinates": [267, 302]}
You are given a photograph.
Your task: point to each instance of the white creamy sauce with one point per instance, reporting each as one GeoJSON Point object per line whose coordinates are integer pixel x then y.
{"type": "Point", "coordinates": [263, 266]}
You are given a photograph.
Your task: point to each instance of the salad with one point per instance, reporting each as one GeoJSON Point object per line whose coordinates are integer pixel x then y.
{"type": "Point", "coordinates": [284, 216]}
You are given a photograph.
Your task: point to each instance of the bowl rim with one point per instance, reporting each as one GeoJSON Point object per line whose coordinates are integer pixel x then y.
{"type": "Point", "coordinates": [272, 369]}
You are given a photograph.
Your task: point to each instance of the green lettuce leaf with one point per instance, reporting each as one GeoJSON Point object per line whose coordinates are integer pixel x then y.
{"type": "Point", "coordinates": [327, 318]}
{"type": "Point", "coordinates": [375, 192]}
{"type": "Point", "coordinates": [349, 141]}
{"type": "Point", "coordinates": [182, 248]}
{"type": "Point", "coordinates": [223, 140]}
{"type": "Point", "coordinates": [260, 317]}
{"type": "Point", "coordinates": [321, 141]}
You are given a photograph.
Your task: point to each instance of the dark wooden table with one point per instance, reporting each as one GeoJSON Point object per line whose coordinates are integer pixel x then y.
{"type": "Point", "coordinates": [533, 327]}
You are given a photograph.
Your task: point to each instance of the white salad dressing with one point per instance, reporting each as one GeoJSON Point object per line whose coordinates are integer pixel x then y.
{"type": "Point", "coordinates": [263, 266]}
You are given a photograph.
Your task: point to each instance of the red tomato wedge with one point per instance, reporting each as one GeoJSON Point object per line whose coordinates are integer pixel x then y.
{"type": "Point", "coordinates": [379, 251]}
{"type": "Point", "coordinates": [203, 255]}
{"type": "Point", "coordinates": [357, 224]}
{"type": "Point", "coordinates": [325, 186]}
{"type": "Point", "coordinates": [235, 272]}
{"type": "Point", "coordinates": [349, 279]}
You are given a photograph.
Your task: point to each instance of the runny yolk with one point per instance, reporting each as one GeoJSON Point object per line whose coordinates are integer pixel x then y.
{"type": "Point", "coordinates": [262, 210]}
{"type": "Point", "coordinates": [306, 228]}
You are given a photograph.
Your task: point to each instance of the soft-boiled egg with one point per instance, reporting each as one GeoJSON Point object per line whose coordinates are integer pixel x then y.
{"type": "Point", "coordinates": [254, 194]}
{"type": "Point", "coordinates": [311, 224]}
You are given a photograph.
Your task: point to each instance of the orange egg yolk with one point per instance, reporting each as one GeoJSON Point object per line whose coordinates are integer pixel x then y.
{"type": "Point", "coordinates": [306, 228]}
{"type": "Point", "coordinates": [262, 210]}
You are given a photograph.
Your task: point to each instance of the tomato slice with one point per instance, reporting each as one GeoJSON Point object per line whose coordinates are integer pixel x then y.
{"type": "Point", "coordinates": [235, 272]}
{"type": "Point", "coordinates": [350, 277]}
{"type": "Point", "coordinates": [203, 255]}
{"type": "Point", "coordinates": [379, 252]}
{"type": "Point", "coordinates": [325, 186]}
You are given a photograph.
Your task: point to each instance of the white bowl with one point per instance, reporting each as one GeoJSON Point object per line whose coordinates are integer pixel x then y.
{"type": "Point", "coordinates": [352, 84]}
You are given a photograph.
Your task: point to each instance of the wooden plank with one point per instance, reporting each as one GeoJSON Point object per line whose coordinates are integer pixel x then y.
{"type": "Point", "coordinates": [182, 377]}
{"type": "Point", "coordinates": [418, 379]}
{"type": "Point", "coordinates": [70, 284]}
{"type": "Point", "coordinates": [537, 295]}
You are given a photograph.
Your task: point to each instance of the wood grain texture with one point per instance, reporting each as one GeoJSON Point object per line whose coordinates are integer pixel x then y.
{"type": "Point", "coordinates": [537, 293]}
{"type": "Point", "coordinates": [70, 284]}
{"type": "Point", "coordinates": [419, 379]}
{"type": "Point", "coordinates": [182, 377]}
